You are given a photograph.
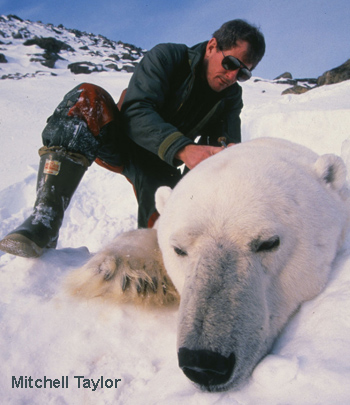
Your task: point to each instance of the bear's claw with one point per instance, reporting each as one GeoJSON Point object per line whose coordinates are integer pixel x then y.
{"type": "Point", "coordinates": [142, 286]}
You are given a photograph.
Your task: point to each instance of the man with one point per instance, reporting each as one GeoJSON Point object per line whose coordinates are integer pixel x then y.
{"type": "Point", "coordinates": [175, 95]}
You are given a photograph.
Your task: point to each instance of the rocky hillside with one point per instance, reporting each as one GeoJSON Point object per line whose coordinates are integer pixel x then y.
{"type": "Point", "coordinates": [29, 49]}
{"type": "Point", "coordinates": [336, 75]}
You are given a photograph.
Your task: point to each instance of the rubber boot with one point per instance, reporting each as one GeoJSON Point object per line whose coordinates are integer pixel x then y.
{"type": "Point", "coordinates": [58, 177]}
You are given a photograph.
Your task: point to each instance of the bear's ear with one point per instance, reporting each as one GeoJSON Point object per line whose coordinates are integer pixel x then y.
{"type": "Point", "coordinates": [162, 195]}
{"type": "Point", "coordinates": [331, 169]}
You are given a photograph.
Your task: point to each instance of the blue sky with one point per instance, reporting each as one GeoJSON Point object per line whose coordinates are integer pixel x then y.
{"type": "Point", "coordinates": [305, 37]}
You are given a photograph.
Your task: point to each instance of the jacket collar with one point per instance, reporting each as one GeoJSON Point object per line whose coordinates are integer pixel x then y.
{"type": "Point", "coordinates": [196, 54]}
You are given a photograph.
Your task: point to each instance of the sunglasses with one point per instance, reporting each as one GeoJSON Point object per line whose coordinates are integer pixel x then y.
{"type": "Point", "coordinates": [231, 63]}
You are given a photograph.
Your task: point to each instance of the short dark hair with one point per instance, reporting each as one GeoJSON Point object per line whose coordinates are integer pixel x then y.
{"type": "Point", "coordinates": [232, 31]}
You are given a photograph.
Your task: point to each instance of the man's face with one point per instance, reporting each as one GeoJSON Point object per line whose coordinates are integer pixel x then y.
{"type": "Point", "coordinates": [219, 78]}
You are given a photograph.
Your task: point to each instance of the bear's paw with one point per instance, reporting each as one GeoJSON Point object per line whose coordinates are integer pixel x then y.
{"type": "Point", "coordinates": [130, 269]}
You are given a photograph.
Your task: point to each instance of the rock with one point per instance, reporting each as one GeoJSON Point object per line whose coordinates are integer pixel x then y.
{"type": "Point", "coordinates": [131, 48]}
{"type": "Point", "coordinates": [128, 68]}
{"type": "Point", "coordinates": [292, 82]}
{"type": "Point", "coordinates": [17, 35]}
{"type": "Point", "coordinates": [127, 56]}
{"type": "Point", "coordinates": [114, 56]}
{"type": "Point", "coordinates": [50, 44]}
{"type": "Point", "coordinates": [297, 89]}
{"type": "Point", "coordinates": [47, 59]}
{"type": "Point", "coordinates": [18, 76]}
{"type": "Point", "coordinates": [77, 33]}
{"type": "Point", "coordinates": [52, 47]}
{"type": "Point", "coordinates": [107, 43]}
{"type": "Point", "coordinates": [12, 17]}
{"type": "Point", "coordinates": [113, 66]}
{"type": "Point", "coordinates": [84, 68]}
{"type": "Point", "coordinates": [309, 80]}
{"type": "Point", "coordinates": [285, 75]}
{"type": "Point", "coordinates": [336, 75]}
{"type": "Point", "coordinates": [3, 58]}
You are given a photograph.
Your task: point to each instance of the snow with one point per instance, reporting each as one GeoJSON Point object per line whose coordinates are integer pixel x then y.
{"type": "Point", "coordinates": [83, 47]}
{"type": "Point", "coordinates": [45, 333]}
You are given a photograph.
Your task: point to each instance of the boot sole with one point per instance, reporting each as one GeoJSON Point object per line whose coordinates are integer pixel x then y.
{"type": "Point", "coordinates": [19, 245]}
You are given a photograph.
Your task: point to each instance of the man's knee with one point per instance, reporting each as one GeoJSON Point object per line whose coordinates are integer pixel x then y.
{"type": "Point", "coordinates": [79, 122]}
{"type": "Point", "coordinates": [95, 106]}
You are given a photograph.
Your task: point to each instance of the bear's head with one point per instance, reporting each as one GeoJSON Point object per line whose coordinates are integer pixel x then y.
{"type": "Point", "coordinates": [246, 237]}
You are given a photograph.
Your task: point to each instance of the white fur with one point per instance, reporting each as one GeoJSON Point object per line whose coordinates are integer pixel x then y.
{"type": "Point", "coordinates": [246, 237]}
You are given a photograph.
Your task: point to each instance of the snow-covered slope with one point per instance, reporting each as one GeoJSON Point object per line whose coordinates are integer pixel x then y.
{"type": "Point", "coordinates": [44, 333]}
{"type": "Point", "coordinates": [37, 49]}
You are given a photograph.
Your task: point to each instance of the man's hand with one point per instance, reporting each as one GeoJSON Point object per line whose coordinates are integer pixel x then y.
{"type": "Point", "coordinates": [191, 155]}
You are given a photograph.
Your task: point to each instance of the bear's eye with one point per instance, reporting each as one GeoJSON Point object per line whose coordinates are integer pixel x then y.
{"type": "Point", "coordinates": [179, 251]}
{"type": "Point", "coordinates": [265, 245]}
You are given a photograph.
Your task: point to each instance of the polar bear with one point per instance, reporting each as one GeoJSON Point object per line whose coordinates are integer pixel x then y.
{"type": "Point", "coordinates": [244, 238]}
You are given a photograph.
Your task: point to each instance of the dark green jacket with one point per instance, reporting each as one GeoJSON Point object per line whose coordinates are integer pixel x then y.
{"type": "Point", "coordinates": [168, 104]}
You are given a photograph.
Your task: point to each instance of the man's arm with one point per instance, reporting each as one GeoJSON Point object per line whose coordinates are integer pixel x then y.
{"type": "Point", "coordinates": [145, 100]}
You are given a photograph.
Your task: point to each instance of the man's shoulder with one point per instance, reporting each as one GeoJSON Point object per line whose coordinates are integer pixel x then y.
{"type": "Point", "coordinates": [170, 50]}
{"type": "Point", "coordinates": [178, 50]}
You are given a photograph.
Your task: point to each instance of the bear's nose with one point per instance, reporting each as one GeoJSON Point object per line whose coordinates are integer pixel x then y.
{"type": "Point", "coordinates": [205, 367]}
